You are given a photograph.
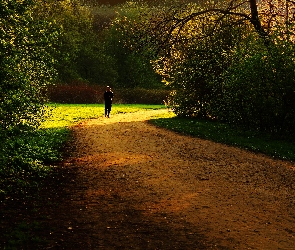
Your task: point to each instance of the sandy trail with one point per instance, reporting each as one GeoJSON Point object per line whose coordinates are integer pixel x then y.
{"type": "Point", "coordinates": [132, 185]}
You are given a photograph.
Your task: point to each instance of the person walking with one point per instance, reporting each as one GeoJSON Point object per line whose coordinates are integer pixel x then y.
{"type": "Point", "coordinates": [108, 100]}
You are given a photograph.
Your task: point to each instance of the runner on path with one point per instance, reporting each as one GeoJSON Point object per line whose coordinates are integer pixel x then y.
{"type": "Point", "coordinates": [108, 100]}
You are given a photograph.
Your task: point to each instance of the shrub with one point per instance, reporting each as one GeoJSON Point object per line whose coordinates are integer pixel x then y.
{"type": "Point", "coordinates": [26, 158]}
{"type": "Point", "coordinates": [259, 90]}
{"type": "Point", "coordinates": [27, 65]}
{"type": "Point", "coordinates": [141, 96]}
{"type": "Point", "coordinates": [78, 93]}
{"type": "Point", "coordinates": [75, 93]}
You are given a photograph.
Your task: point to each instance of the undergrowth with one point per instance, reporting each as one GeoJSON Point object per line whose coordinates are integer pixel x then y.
{"type": "Point", "coordinates": [28, 157]}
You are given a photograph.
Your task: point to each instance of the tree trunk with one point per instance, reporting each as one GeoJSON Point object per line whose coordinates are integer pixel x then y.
{"type": "Point", "coordinates": [256, 21]}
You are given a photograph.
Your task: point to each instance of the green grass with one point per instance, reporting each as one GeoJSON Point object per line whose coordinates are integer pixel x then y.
{"type": "Point", "coordinates": [29, 157]}
{"type": "Point", "coordinates": [64, 115]}
{"type": "Point", "coordinates": [223, 133]}
{"type": "Point", "coordinates": [27, 160]}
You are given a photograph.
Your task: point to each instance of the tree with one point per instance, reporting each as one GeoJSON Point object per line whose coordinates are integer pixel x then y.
{"type": "Point", "coordinates": [81, 55]}
{"type": "Point", "coordinates": [27, 64]}
{"type": "Point", "coordinates": [227, 60]}
{"type": "Point", "coordinates": [27, 48]}
{"type": "Point", "coordinates": [134, 69]}
{"type": "Point", "coordinates": [191, 54]}
{"type": "Point", "coordinates": [259, 87]}
{"type": "Point", "coordinates": [173, 16]}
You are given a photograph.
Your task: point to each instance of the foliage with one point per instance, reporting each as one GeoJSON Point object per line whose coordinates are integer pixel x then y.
{"type": "Point", "coordinates": [197, 56]}
{"type": "Point", "coordinates": [76, 92]}
{"type": "Point", "coordinates": [81, 54]}
{"type": "Point", "coordinates": [231, 61]}
{"type": "Point", "coordinates": [196, 76]}
{"type": "Point", "coordinates": [27, 158]}
{"type": "Point", "coordinates": [134, 69]}
{"type": "Point", "coordinates": [27, 49]}
{"type": "Point", "coordinates": [85, 93]}
{"type": "Point", "coordinates": [92, 50]}
{"type": "Point", "coordinates": [142, 96]}
{"type": "Point", "coordinates": [224, 133]}
{"type": "Point", "coordinates": [259, 88]}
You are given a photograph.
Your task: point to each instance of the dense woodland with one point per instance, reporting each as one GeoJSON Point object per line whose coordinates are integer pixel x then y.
{"type": "Point", "coordinates": [228, 61]}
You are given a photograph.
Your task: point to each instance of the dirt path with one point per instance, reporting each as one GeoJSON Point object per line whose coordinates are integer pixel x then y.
{"type": "Point", "coordinates": [135, 186]}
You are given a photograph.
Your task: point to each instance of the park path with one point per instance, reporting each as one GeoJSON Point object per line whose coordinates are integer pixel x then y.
{"type": "Point", "coordinates": [131, 185]}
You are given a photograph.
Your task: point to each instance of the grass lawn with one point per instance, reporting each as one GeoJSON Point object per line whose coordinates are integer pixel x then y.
{"type": "Point", "coordinates": [64, 115]}
{"type": "Point", "coordinates": [54, 130]}
{"type": "Point", "coordinates": [223, 133]}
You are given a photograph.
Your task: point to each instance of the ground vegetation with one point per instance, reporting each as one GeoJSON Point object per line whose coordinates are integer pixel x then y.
{"type": "Point", "coordinates": [27, 66]}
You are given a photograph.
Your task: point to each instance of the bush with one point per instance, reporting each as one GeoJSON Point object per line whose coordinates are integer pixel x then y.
{"type": "Point", "coordinates": [75, 93]}
{"type": "Point", "coordinates": [26, 158]}
{"type": "Point", "coordinates": [82, 93]}
{"type": "Point", "coordinates": [27, 50]}
{"type": "Point", "coordinates": [259, 91]}
{"type": "Point", "coordinates": [141, 96]}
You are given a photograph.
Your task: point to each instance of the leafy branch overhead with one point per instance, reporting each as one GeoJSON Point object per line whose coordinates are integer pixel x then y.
{"type": "Point", "coordinates": [168, 26]}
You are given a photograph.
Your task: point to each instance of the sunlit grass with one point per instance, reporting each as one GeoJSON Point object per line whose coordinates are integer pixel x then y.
{"type": "Point", "coordinates": [64, 115]}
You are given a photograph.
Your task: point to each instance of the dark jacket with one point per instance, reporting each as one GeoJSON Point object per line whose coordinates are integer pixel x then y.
{"type": "Point", "coordinates": [108, 97]}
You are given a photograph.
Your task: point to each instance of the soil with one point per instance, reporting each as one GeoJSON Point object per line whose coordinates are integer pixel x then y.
{"type": "Point", "coordinates": [131, 185]}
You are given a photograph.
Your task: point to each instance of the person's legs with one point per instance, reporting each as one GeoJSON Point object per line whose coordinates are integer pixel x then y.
{"type": "Point", "coordinates": [105, 110]}
{"type": "Point", "coordinates": [108, 108]}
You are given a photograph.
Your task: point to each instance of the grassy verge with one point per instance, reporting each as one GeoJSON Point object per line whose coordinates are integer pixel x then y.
{"type": "Point", "coordinates": [222, 133]}
{"type": "Point", "coordinates": [27, 158]}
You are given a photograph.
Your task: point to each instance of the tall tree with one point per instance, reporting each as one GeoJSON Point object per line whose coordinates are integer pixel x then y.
{"type": "Point", "coordinates": [264, 16]}
{"type": "Point", "coordinates": [26, 65]}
